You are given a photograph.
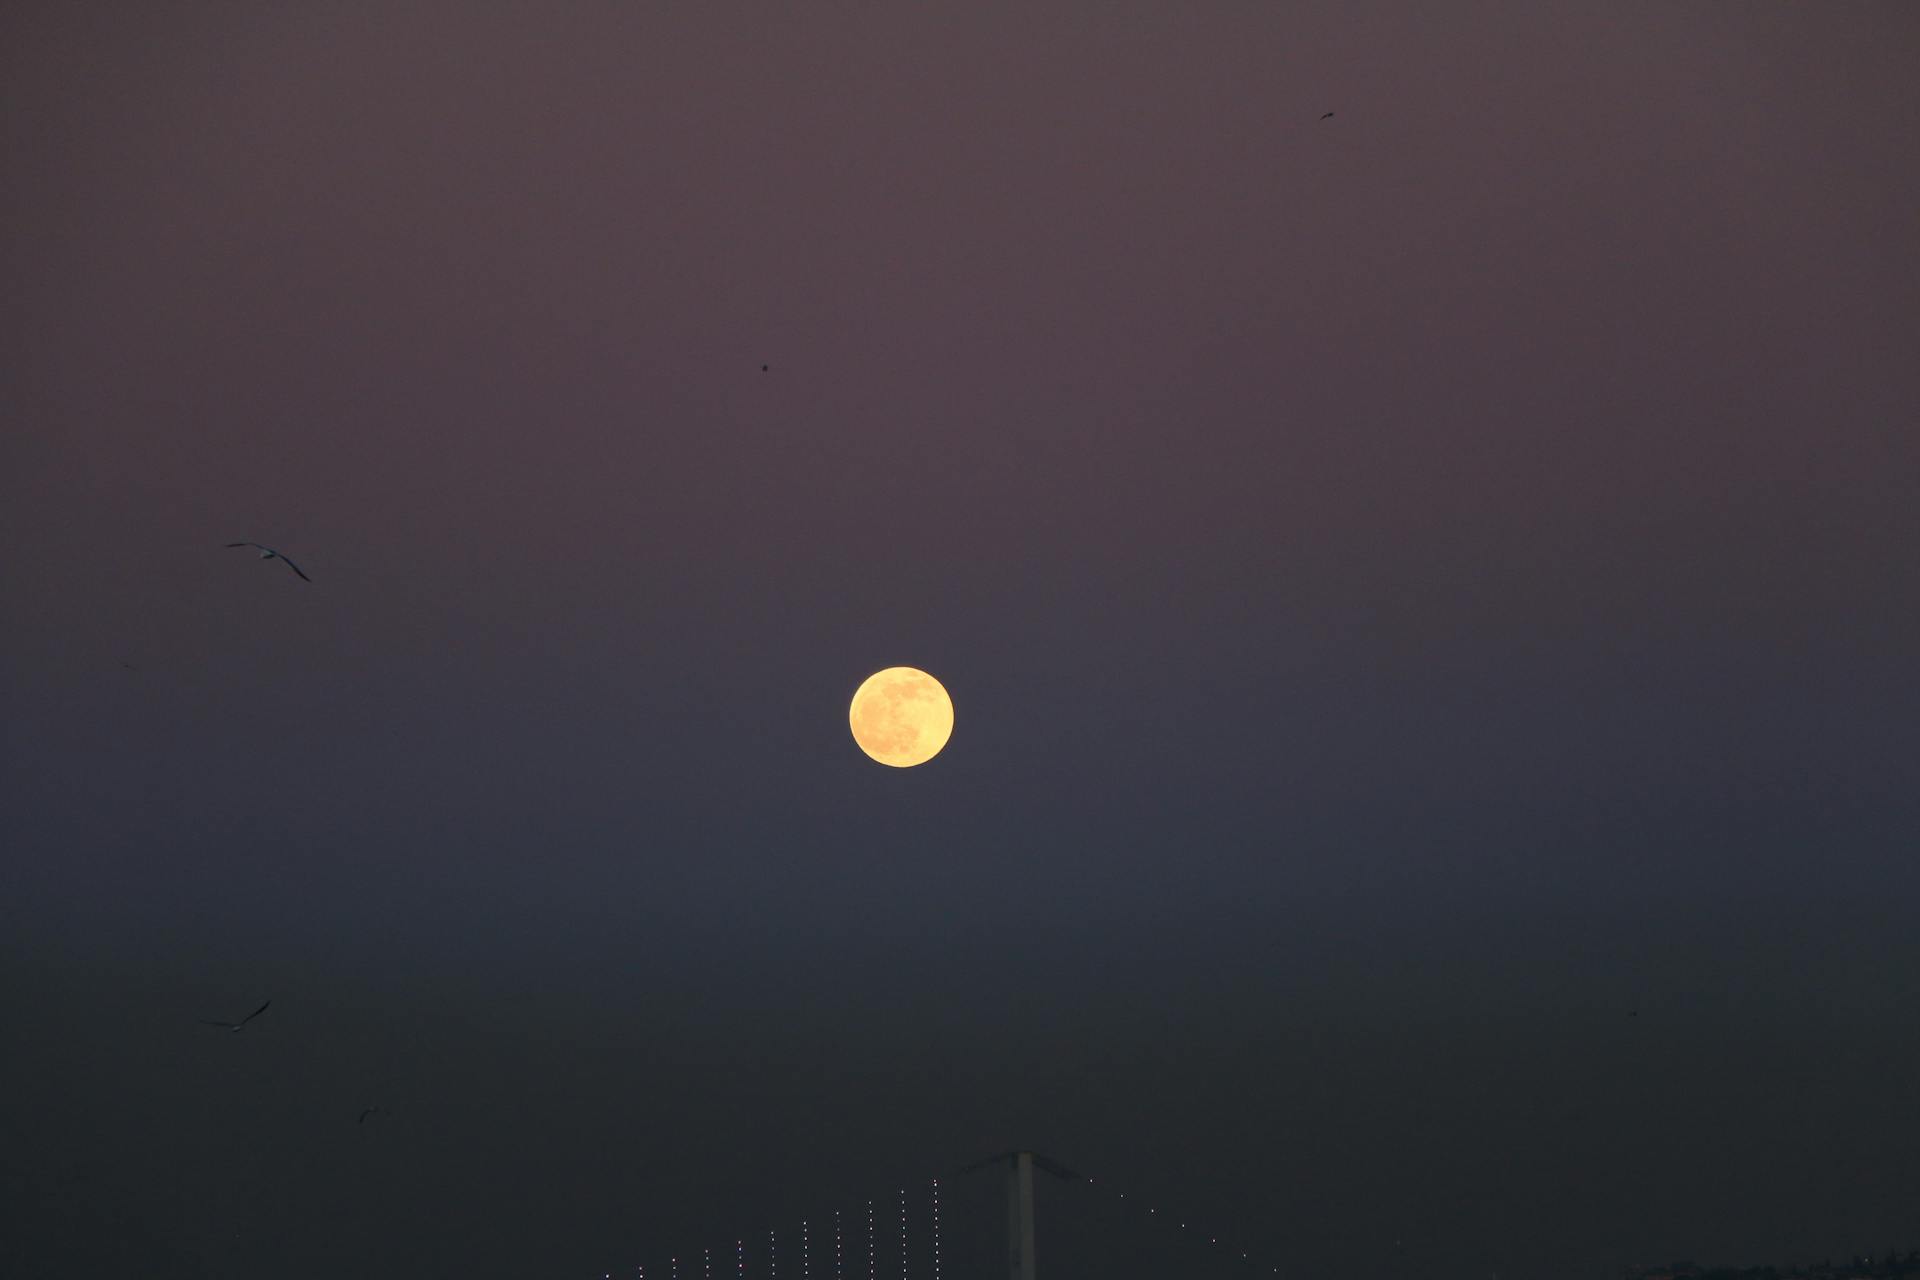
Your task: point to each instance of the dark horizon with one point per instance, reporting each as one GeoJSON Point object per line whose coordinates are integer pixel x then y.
{"type": "Point", "coordinates": [1428, 598]}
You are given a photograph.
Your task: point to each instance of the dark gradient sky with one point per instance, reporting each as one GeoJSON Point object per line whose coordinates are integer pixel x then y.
{"type": "Point", "coordinates": [1416, 587]}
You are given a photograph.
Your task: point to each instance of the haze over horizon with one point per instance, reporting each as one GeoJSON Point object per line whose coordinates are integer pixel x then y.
{"type": "Point", "coordinates": [1428, 597]}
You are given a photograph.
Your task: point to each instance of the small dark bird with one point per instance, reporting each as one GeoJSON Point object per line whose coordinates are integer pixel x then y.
{"type": "Point", "coordinates": [364, 1114]}
{"type": "Point", "coordinates": [763, 368]}
{"type": "Point", "coordinates": [268, 553]}
{"type": "Point", "coordinates": [1633, 1013]}
{"type": "Point", "coordinates": [129, 666]}
{"type": "Point", "coordinates": [235, 1026]}
{"type": "Point", "coordinates": [1327, 116]}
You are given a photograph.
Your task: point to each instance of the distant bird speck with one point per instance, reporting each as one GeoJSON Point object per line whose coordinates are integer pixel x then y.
{"type": "Point", "coordinates": [268, 553]}
{"type": "Point", "coordinates": [1327, 116]}
{"type": "Point", "coordinates": [235, 1026]}
{"type": "Point", "coordinates": [763, 368]}
{"type": "Point", "coordinates": [364, 1114]}
{"type": "Point", "coordinates": [129, 666]}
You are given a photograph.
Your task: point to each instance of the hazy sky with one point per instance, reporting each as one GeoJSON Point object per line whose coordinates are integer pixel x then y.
{"type": "Point", "coordinates": [1429, 598]}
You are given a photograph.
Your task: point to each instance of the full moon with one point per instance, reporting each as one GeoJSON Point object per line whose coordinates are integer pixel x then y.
{"type": "Point", "coordinates": [901, 716]}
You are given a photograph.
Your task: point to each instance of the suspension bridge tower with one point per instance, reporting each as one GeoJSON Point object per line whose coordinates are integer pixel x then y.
{"type": "Point", "coordinates": [1020, 1167]}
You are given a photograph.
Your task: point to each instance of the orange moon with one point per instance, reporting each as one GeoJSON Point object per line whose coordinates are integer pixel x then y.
{"type": "Point", "coordinates": [901, 716]}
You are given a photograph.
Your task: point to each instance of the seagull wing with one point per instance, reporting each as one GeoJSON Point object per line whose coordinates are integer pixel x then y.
{"type": "Point", "coordinates": [245, 544]}
{"type": "Point", "coordinates": [250, 1017]}
{"type": "Point", "coordinates": [214, 1022]}
{"type": "Point", "coordinates": [291, 565]}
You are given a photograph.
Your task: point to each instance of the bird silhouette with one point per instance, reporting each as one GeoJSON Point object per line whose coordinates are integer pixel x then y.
{"type": "Point", "coordinates": [235, 1026]}
{"type": "Point", "coordinates": [1327, 116]}
{"type": "Point", "coordinates": [364, 1114]}
{"type": "Point", "coordinates": [763, 368]}
{"type": "Point", "coordinates": [268, 553]}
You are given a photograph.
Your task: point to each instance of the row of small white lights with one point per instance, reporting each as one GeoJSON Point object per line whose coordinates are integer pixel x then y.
{"type": "Point", "coordinates": [1212, 1240]}
{"type": "Point", "coordinates": [839, 1251]}
{"type": "Point", "coordinates": [806, 1249]}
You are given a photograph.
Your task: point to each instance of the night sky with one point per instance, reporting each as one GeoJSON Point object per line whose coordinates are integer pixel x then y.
{"type": "Point", "coordinates": [1430, 598]}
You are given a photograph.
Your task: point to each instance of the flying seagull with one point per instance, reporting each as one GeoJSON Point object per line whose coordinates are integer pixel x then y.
{"type": "Point", "coordinates": [364, 1114]}
{"type": "Point", "coordinates": [235, 1026]}
{"type": "Point", "coordinates": [268, 553]}
{"type": "Point", "coordinates": [1327, 116]}
{"type": "Point", "coordinates": [763, 368]}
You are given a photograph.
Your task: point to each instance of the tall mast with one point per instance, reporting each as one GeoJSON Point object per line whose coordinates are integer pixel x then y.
{"type": "Point", "coordinates": [1020, 1215]}
{"type": "Point", "coordinates": [1020, 1167]}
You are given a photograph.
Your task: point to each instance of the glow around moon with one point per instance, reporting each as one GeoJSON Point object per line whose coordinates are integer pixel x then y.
{"type": "Point", "coordinates": [901, 716]}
